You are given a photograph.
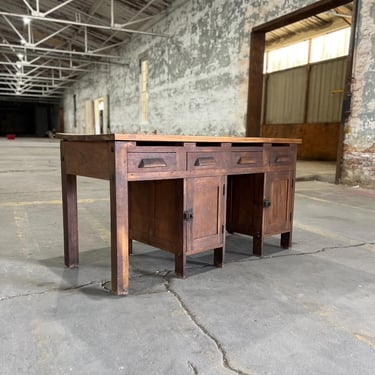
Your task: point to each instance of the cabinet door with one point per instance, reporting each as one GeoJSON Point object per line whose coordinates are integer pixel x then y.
{"type": "Point", "coordinates": [278, 202]}
{"type": "Point", "coordinates": [204, 213]}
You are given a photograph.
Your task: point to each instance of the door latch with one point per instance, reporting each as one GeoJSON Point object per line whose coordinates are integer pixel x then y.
{"type": "Point", "coordinates": [188, 215]}
{"type": "Point", "coordinates": [266, 203]}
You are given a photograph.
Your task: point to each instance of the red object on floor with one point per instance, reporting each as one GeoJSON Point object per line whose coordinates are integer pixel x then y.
{"type": "Point", "coordinates": [11, 136]}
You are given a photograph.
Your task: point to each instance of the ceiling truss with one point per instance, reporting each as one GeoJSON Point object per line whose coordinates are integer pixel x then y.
{"type": "Point", "coordinates": [45, 45]}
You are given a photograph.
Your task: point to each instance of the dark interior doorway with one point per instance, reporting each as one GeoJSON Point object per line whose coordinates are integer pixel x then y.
{"type": "Point", "coordinates": [17, 118]}
{"type": "Point", "coordinates": [28, 119]}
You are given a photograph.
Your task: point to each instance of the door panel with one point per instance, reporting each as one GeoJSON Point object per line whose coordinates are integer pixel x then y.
{"type": "Point", "coordinates": [279, 193]}
{"type": "Point", "coordinates": [206, 204]}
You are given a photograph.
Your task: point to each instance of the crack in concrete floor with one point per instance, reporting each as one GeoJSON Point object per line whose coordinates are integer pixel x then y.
{"type": "Point", "coordinates": [166, 276]}
{"type": "Point", "coordinates": [204, 330]}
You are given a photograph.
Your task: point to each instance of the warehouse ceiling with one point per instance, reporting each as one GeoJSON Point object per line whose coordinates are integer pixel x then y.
{"type": "Point", "coordinates": [45, 45]}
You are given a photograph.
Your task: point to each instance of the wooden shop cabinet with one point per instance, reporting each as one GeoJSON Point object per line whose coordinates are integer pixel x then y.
{"type": "Point", "coordinates": [180, 193]}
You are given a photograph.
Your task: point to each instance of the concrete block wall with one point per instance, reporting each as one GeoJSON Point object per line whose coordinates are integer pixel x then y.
{"type": "Point", "coordinates": [198, 77]}
{"type": "Point", "coordinates": [359, 142]}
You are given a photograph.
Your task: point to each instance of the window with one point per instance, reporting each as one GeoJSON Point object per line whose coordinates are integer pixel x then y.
{"type": "Point", "coordinates": [143, 89]}
{"type": "Point", "coordinates": [330, 46]}
{"type": "Point", "coordinates": [320, 48]}
{"type": "Point", "coordinates": [287, 57]}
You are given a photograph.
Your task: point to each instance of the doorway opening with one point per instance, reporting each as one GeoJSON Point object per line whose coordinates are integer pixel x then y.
{"type": "Point", "coordinates": [308, 97]}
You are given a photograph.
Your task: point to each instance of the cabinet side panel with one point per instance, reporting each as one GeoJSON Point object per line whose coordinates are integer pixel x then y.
{"type": "Point", "coordinates": [156, 213]}
{"type": "Point", "coordinates": [141, 207]}
{"type": "Point", "coordinates": [167, 227]}
{"type": "Point", "coordinates": [89, 159]}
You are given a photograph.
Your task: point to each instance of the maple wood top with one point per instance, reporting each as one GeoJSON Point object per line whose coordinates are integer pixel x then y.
{"type": "Point", "coordinates": [171, 138]}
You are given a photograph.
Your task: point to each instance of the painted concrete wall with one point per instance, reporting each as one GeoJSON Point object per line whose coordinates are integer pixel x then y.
{"type": "Point", "coordinates": [198, 82]}
{"type": "Point", "coordinates": [198, 76]}
{"type": "Point", "coordinates": [359, 143]}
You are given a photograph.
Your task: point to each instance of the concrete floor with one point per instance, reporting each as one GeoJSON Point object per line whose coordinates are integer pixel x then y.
{"type": "Point", "coordinates": [307, 310]}
{"type": "Point", "coordinates": [316, 171]}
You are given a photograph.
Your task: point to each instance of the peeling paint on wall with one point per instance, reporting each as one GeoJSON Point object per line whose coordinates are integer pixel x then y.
{"type": "Point", "coordinates": [198, 77]}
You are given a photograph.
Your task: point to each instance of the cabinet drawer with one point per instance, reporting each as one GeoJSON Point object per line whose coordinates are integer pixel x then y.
{"type": "Point", "coordinates": [152, 162]}
{"type": "Point", "coordinates": [205, 160]}
{"type": "Point", "coordinates": [281, 156]}
{"type": "Point", "coordinates": [246, 159]}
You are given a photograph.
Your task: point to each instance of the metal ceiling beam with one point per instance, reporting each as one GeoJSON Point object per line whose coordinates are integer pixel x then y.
{"type": "Point", "coordinates": [131, 19]}
{"type": "Point", "coordinates": [35, 89]}
{"type": "Point", "coordinates": [35, 78]}
{"type": "Point", "coordinates": [139, 12]}
{"type": "Point", "coordinates": [78, 23]}
{"type": "Point", "coordinates": [90, 15]}
{"type": "Point", "coordinates": [28, 5]}
{"type": "Point", "coordinates": [65, 52]}
{"type": "Point", "coordinates": [64, 58]}
{"type": "Point", "coordinates": [31, 95]}
{"type": "Point", "coordinates": [13, 28]}
{"type": "Point", "coordinates": [20, 64]}
{"type": "Point", "coordinates": [55, 8]}
{"type": "Point", "coordinates": [50, 54]}
{"type": "Point", "coordinates": [52, 35]}
{"type": "Point", "coordinates": [23, 89]}
{"type": "Point", "coordinates": [53, 52]}
{"type": "Point", "coordinates": [30, 91]}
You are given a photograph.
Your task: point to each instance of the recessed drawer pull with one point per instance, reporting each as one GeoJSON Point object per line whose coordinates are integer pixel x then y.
{"type": "Point", "coordinates": [205, 161]}
{"type": "Point", "coordinates": [282, 159]}
{"type": "Point", "coordinates": [246, 160]}
{"type": "Point", "coordinates": [152, 163]}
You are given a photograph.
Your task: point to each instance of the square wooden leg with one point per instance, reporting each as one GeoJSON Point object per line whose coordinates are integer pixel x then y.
{"type": "Point", "coordinates": [286, 240]}
{"type": "Point", "coordinates": [70, 220]}
{"type": "Point", "coordinates": [180, 263]}
{"type": "Point", "coordinates": [119, 222]}
{"type": "Point", "coordinates": [258, 240]}
{"type": "Point", "coordinates": [219, 257]}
